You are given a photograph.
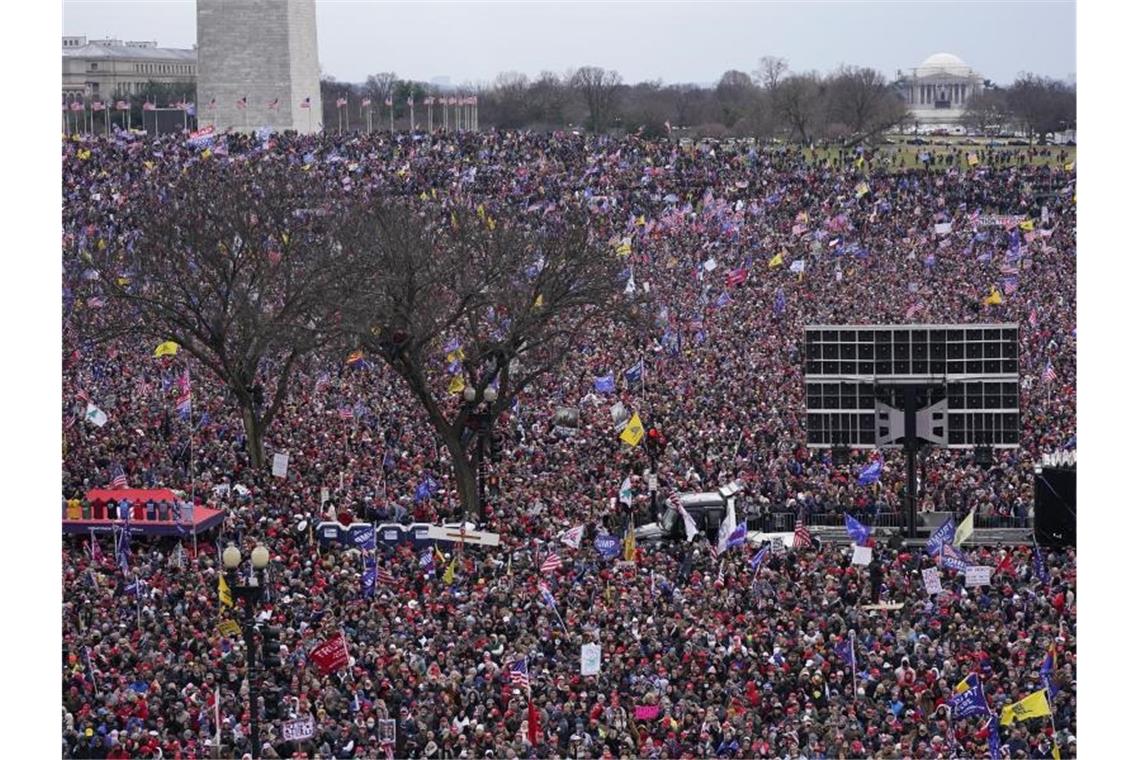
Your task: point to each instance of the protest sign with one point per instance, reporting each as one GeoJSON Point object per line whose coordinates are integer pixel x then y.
{"type": "Point", "coordinates": [330, 655]}
{"type": "Point", "coordinates": [932, 581]}
{"type": "Point", "coordinates": [646, 712]}
{"type": "Point", "coordinates": [591, 659]}
{"type": "Point", "coordinates": [298, 730]}
{"type": "Point", "coordinates": [860, 555]}
{"type": "Point", "coordinates": [280, 465]}
{"type": "Point", "coordinates": [978, 575]}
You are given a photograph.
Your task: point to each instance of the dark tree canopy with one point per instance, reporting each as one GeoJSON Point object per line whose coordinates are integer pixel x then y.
{"type": "Point", "coordinates": [233, 263]}
{"type": "Point", "coordinates": [599, 89]}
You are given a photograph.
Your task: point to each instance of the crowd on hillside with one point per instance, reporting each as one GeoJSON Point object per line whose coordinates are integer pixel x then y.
{"type": "Point", "coordinates": [729, 660]}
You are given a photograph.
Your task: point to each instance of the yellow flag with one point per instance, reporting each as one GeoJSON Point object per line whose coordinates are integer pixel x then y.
{"type": "Point", "coordinates": [124, 281]}
{"type": "Point", "coordinates": [439, 555]}
{"type": "Point", "coordinates": [994, 298]}
{"type": "Point", "coordinates": [1070, 166]}
{"type": "Point", "coordinates": [859, 162]}
{"type": "Point", "coordinates": [83, 154]}
{"type": "Point", "coordinates": [862, 189]}
{"type": "Point", "coordinates": [224, 595]}
{"type": "Point", "coordinates": [965, 530]}
{"type": "Point", "coordinates": [776, 261]}
{"type": "Point", "coordinates": [538, 301]}
{"type": "Point", "coordinates": [456, 356]}
{"type": "Point", "coordinates": [166, 348]}
{"type": "Point", "coordinates": [640, 221]}
{"type": "Point", "coordinates": [207, 153]}
{"type": "Point", "coordinates": [491, 223]}
{"type": "Point", "coordinates": [630, 543]}
{"type": "Point", "coordinates": [802, 217]}
{"type": "Point", "coordinates": [1026, 226]}
{"type": "Point", "coordinates": [449, 573]}
{"type": "Point", "coordinates": [634, 431]}
{"type": "Point", "coordinates": [456, 385]}
{"type": "Point", "coordinates": [624, 248]}
{"type": "Point", "coordinates": [480, 211]}
{"type": "Point", "coordinates": [1036, 705]}
{"type": "Point", "coordinates": [1056, 751]}
{"type": "Point", "coordinates": [423, 196]}
{"type": "Point", "coordinates": [229, 627]}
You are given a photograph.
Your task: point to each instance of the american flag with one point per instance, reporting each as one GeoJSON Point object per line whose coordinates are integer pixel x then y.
{"type": "Point", "coordinates": [307, 103]}
{"type": "Point", "coordinates": [1033, 318]}
{"type": "Point", "coordinates": [341, 102]}
{"type": "Point", "coordinates": [411, 101]}
{"type": "Point", "coordinates": [97, 105]}
{"type": "Point", "coordinates": [78, 105]}
{"type": "Point", "coordinates": [212, 104]}
{"type": "Point", "coordinates": [519, 675]}
{"type": "Point", "coordinates": [388, 101]}
{"type": "Point", "coordinates": [1049, 375]}
{"type": "Point", "coordinates": [273, 104]}
{"type": "Point", "coordinates": [384, 575]}
{"type": "Point", "coordinates": [118, 477]}
{"type": "Point", "coordinates": [366, 103]}
{"type": "Point", "coordinates": [345, 413]}
{"type": "Point", "coordinates": [242, 102]}
{"type": "Point", "coordinates": [802, 537]}
{"type": "Point", "coordinates": [429, 101]}
{"type": "Point", "coordinates": [148, 106]}
{"type": "Point", "coordinates": [551, 563]}
{"type": "Point", "coordinates": [122, 105]}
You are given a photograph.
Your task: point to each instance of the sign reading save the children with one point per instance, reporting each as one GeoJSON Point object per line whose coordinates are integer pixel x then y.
{"type": "Point", "coordinates": [931, 580]}
{"type": "Point", "coordinates": [297, 730]}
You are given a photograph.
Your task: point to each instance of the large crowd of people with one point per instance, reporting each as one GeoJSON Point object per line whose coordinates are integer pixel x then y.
{"type": "Point", "coordinates": [701, 655]}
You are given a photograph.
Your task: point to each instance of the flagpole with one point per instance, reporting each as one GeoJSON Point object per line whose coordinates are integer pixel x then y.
{"type": "Point", "coordinates": [854, 686]}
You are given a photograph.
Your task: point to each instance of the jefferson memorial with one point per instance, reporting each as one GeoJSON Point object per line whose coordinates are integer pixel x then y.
{"type": "Point", "coordinates": [937, 91]}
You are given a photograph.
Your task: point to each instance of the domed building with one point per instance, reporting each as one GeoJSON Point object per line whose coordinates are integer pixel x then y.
{"type": "Point", "coordinates": [937, 91]}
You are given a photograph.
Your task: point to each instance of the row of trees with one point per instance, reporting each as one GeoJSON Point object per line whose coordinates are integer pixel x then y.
{"type": "Point", "coordinates": [849, 102]}
{"type": "Point", "coordinates": [255, 273]}
{"type": "Point", "coordinates": [1033, 104]}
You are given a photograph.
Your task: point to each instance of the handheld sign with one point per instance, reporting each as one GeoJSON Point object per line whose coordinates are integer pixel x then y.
{"type": "Point", "coordinates": [461, 534]}
{"type": "Point", "coordinates": [860, 555]}
{"type": "Point", "coordinates": [931, 580]}
{"type": "Point", "coordinates": [978, 575]}
{"type": "Point", "coordinates": [280, 465]}
{"type": "Point", "coordinates": [297, 730]}
{"type": "Point", "coordinates": [591, 659]}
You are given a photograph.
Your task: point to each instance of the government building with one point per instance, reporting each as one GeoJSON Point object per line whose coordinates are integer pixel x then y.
{"type": "Point", "coordinates": [103, 69]}
{"type": "Point", "coordinates": [937, 91]}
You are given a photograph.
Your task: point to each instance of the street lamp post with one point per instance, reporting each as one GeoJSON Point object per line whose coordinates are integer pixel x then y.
{"type": "Point", "coordinates": [250, 594]}
{"type": "Point", "coordinates": [482, 418]}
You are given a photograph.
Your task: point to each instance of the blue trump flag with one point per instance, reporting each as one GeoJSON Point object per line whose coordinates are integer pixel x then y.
{"type": "Point", "coordinates": [1047, 672]}
{"type": "Point", "coordinates": [941, 536]}
{"type": "Point", "coordinates": [953, 559]}
{"type": "Point", "coordinates": [969, 703]}
{"type": "Point", "coordinates": [781, 302]}
{"type": "Point", "coordinates": [758, 557]}
{"type": "Point", "coordinates": [605, 383]}
{"type": "Point", "coordinates": [858, 531]}
{"type": "Point", "coordinates": [608, 546]}
{"type": "Point", "coordinates": [368, 580]}
{"type": "Point", "coordinates": [426, 489]}
{"type": "Point", "coordinates": [634, 373]}
{"type": "Point", "coordinates": [1039, 566]}
{"type": "Point", "coordinates": [846, 652]}
{"type": "Point", "coordinates": [994, 737]}
{"type": "Point", "coordinates": [871, 473]}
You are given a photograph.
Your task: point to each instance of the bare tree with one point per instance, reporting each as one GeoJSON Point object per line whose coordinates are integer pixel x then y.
{"type": "Point", "coordinates": [770, 72]}
{"type": "Point", "coordinates": [736, 94]}
{"type": "Point", "coordinates": [381, 86]}
{"type": "Point", "coordinates": [508, 100]}
{"type": "Point", "coordinates": [548, 96]}
{"type": "Point", "coordinates": [599, 89]}
{"type": "Point", "coordinates": [234, 264]}
{"type": "Point", "coordinates": [459, 300]}
{"type": "Point", "coordinates": [798, 101]}
{"type": "Point", "coordinates": [1043, 105]}
{"type": "Point", "coordinates": [986, 111]}
{"type": "Point", "coordinates": [863, 102]}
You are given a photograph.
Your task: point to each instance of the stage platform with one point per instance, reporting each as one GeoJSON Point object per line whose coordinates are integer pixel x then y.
{"type": "Point", "coordinates": [204, 519]}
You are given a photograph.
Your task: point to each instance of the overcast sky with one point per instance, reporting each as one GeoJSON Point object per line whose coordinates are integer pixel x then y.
{"type": "Point", "coordinates": [671, 41]}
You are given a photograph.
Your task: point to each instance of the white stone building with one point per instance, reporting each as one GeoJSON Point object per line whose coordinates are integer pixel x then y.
{"type": "Point", "coordinates": [103, 69]}
{"type": "Point", "coordinates": [937, 91]}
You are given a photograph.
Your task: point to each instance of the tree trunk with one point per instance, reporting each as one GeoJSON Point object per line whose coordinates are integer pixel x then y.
{"type": "Point", "coordinates": [253, 437]}
{"type": "Point", "coordinates": [465, 477]}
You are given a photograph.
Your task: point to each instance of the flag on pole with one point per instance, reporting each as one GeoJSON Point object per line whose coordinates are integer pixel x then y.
{"type": "Point", "coordinates": [273, 104]}
{"type": "Point", "coordinates": [519, 675]}
{"type": "Point", "coordinates": [605, 383]}
{"type": "Point", "coordinates": [871, 473]}
{"type": "Point", "coordinates": [551, 563]}
{"type": "Point", "coordinates": [758, 558]}
{"type": "Point", "coordinates": [341, 102]}
{"type": "Point", "coordinates": [307, 103]}
{"type": "Point", "coordinates": [858, 531]}
{"type": "Point", "coordinates": [969, 703]}
{"type": "Point", "coordinates": [224, 595]}
{"type": "Point", "coordinates": [1047, 671]}
{"type": "Point", "coordinates": [242, 102]}
{"type": "Point", "coordinates": [1049, 375]}
{"type": "Point", "coordinates": [630, 543]}
{"type": "Point", "coordinates": [690, 524]}
{"type": "Point", "coordinates": [166, 348]}
{"type": "Point", "coordinates": [1036, 705]}
{"type": "Point", "coordinates": [118, 477]}
{"type": "Point", "coordinates": [625, 493]}
{"type": "Point", "coordinates": [573, 537]}
{"type": "Point", "coordinates": [802, 537]}
{"type": "Point", "coordinates": [634, 431]}
{"type": "Point", "coordinates": [965, 530]}
{"type": "Point", "coordinates": [366, 103]}
{"type": "Point", "coordinates": [384, 575]}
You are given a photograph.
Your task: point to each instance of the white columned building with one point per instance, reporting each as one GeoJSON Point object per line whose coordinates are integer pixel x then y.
{"type": "Point", "coordinates": [939, 88]}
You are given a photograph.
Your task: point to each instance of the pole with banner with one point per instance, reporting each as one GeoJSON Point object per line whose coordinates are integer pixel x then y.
{"type": "Point", "coordinates": [411, 113]}
{"type": "Point", "coordinates": [429, 101]}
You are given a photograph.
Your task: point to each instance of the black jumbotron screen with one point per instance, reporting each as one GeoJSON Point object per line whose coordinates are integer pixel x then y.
{"type": "Point", "coordinates": [852, 371]}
